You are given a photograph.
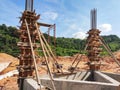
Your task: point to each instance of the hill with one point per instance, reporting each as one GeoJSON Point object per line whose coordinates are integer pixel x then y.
{"type": "Point", "coordinates": [8, 40]}
{"type": "Point", "coordinates": [64, 46]}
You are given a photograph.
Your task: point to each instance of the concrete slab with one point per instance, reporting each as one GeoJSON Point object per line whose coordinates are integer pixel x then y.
{"type": "Point", "coordinates": [30, 84]}
{"type": "Point", "coordinates": [101, 77]}
{"type": "Point", "coordinates": [113, 75]}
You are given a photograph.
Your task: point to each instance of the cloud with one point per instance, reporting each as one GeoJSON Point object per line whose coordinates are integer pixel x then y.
{"type": "Point", "coordinates": [70, 29]}
{"type": "Point", "coordinates": [105, 27]}
{"type": "Point", "coordinates": [73, 27]}
{"type": "Point", "coordinates": [50, 15]}
{"type": "Point", "coordinates": [80, 35]}
{"type": "Point", "coordinates": [70, 32]}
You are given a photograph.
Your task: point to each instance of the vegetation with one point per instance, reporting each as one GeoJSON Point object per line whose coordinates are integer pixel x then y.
{"type": "Point", "coordinates": [8, 40]}
{"type": "Point", "coordinates": [64, 46]}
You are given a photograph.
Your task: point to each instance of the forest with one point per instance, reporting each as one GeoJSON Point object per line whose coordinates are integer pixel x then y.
{"type": "Point", "coordinates": [64, 46]}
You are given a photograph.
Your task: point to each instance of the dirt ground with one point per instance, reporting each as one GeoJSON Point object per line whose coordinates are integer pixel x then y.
{"type": "Point", "coordinates": [10, 83]}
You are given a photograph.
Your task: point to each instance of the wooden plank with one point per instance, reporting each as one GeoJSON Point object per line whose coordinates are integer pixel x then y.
{"type": "Point", "coordinates": [44, 24]}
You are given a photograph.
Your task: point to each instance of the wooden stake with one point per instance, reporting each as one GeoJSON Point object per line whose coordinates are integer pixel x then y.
{"type": "Point", "coordinates": [33, 54]}
{"type": "Point", "coordinates": [109, 51]}
{"type": "Point", "coordinates": [50, 74]}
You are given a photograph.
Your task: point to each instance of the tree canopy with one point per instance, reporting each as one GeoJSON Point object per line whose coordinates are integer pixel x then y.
{"type": "Point", "coordinates": [64, 46]}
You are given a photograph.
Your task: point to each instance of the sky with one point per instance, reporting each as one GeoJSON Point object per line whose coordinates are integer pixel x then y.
{"type": "Point", "coordinates": [72, 17]}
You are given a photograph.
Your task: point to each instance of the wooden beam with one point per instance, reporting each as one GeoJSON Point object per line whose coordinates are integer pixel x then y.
{"type": "Point", "coordinates": [44, 24]}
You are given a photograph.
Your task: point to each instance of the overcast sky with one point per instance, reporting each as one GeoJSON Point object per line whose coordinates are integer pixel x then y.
{"type": "Point", "coordinates": [72, 17]}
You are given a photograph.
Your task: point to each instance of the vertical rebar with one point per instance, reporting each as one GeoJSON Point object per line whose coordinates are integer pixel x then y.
{"type": "Point", "coordinates": [93, 18]}
{"type": "Point", "coordinates": [29, 5]}
{"type": "Point", "coordinates": [91, 21]}
{"type": "Point", "coordinates": [26, 4]}
{"type": "Point", "coordinates": [55, 35]}
{"type": "Point", "coordinates": [32, 6]}
{"type": "Point", "coordinates": [49, 35]}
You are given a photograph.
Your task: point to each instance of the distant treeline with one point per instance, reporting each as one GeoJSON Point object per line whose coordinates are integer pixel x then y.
{"type": "Point", "coordinates": [64, 46]}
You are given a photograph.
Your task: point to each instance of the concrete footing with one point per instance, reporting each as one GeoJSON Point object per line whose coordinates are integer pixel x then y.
{"type": "Point", "coordinates": [79, 81]}
{"type": "Point", "coordinates": [114, 76]}
{"type": "Point", "coordinates": [83, 81]}
{"type": "Point", "coordinates": [30, 84]}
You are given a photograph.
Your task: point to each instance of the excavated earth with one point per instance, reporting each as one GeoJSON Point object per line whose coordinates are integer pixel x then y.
{"type": "Point", "coordinates": [10, 83]}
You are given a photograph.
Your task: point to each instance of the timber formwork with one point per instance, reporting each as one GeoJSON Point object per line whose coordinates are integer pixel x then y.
{"type": "Point", "coordinates": [26, 64]}
{"type": "Point", "coordinates": [94, 44]}
{"type": "Point", "coordinates": [94, 49]}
